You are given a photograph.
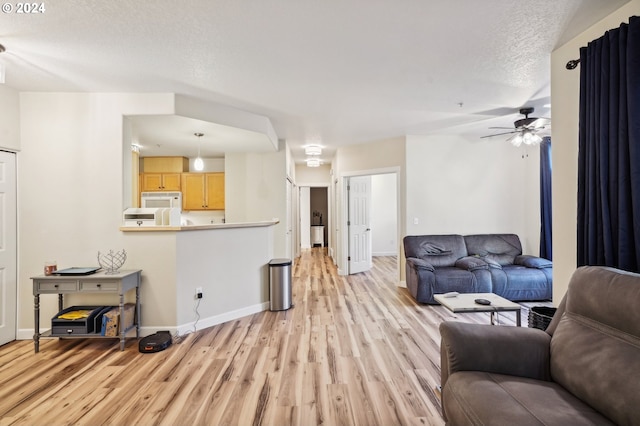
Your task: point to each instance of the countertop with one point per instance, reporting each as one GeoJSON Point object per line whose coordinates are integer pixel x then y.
{"type": "Point", "coordinates": [199, 227]}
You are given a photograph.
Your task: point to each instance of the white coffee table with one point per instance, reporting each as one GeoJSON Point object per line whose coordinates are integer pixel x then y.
{"type": "Point", "coordinates": [465, 302]}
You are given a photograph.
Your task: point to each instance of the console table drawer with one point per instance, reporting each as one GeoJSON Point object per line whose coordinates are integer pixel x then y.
{"type": "Point", "coordinates": [57, 286]}
{"type": "Point", "coordinates": [99, 286]}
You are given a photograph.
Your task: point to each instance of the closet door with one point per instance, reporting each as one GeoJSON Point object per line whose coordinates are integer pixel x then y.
{"type": "Point", "coordinates": [8, 247]}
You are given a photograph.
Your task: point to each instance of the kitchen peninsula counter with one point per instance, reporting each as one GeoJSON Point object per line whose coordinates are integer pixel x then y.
{"type": "Point", "coordinates": [227, 262]}
{"type": "Point", "coordinates": [199, 227]}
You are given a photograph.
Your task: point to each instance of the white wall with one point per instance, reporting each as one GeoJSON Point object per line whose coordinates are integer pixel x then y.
{"type": "Point", "coordinates": [9, 118]}
{"type": "Point", "coordinates": [384, 215]}
{"type": "Point", "coordinates": [371, 158]}
{"type": "Point", "coordinates": [461, 186]}
{"type": "Point", "coordinates": [230, 265]}
{"type": "Point", "coordinates": [70, 195]}
{"type": "Point", "coordinates": [255, 188]}
{"type": "Point", "coordinates": [313, 176]}
{"type": "Point", "coordinates": [565, 95]}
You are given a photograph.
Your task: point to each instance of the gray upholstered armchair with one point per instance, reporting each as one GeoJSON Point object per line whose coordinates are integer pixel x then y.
{"type": "Point", "coordinates": [583, 370]}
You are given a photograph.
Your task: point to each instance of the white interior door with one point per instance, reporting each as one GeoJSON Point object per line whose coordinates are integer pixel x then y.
{"type": "Point", "coordinates": [289, 220]}
{"type": "Point", "coordinates": [8, 247]}
{"type": "Point", "coordinates": [305, 214]}
{"type": "Point", "coordinates": [359, 224]}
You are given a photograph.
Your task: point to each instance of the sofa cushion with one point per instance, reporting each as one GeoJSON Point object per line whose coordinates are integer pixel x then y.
{"type": "Point", "coordinates": [420, 264]}
{"type": "Point", "coordinates": [471, 263]}
{"type": "Point", "coordinates": [595, 349]}
{"type": "Point", "coordinates": [480, 398]}
{"type": "Point", "coordinates": [438, 250]}
{"type": "Point", "coordinates": [515, 282]}
{"type": "Point", "coordinates": [501, 248]}
{"type": "Point", "coordinates": [533, 261]}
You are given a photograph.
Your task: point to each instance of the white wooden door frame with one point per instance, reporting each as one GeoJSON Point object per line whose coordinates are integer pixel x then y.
{"type": "Point", "coordinates": [305, 212]}
{"type": "Point", "coordinates": [8, 247]}
{"type": "Point", "coordinates": [343, 236]}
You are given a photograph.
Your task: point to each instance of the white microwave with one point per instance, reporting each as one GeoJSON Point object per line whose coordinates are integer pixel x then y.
{"type": "Point", "coordinates": [161, 200]}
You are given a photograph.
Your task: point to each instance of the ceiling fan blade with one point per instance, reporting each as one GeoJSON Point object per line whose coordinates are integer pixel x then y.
{"type": "Point", "coordinates": [498, 134]}
{"type": "Point", "coordinates": [506, 128]}
{"type": "Point", "coordinates": [540, 123]}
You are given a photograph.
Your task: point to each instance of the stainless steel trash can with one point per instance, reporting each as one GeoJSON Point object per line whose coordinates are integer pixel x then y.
{"type": "Point", "coordinates": [280, 284]}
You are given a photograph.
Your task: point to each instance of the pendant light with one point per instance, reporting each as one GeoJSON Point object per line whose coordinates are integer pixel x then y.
{"type": "Point", "coordinates": [198, 164]}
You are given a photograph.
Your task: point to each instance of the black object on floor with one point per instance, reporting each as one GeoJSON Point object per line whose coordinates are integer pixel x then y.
{"type": "Point", "coordinates": [155, 342]}
{"type": "Point", "coordinates": [541, 316]}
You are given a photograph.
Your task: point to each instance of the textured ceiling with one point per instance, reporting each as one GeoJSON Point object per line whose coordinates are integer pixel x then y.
{"type": "Point", "coordinates": [333, 72]}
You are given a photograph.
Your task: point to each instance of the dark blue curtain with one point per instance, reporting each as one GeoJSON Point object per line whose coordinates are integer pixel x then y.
{"type": "Point", "coordinates": [609, 150]}
{"type": "Point", "coordinates": [545, 198]}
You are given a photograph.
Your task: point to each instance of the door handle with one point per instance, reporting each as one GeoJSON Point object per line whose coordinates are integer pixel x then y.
{"type": "Point", "coordinates": [368, 229]}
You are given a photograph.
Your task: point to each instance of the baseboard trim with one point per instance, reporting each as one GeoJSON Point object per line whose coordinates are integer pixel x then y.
{"type": "Point", "coordinates": [385, 253]}
{"type": "Point", "coordinates": [219, 319]}
{"type": "Point", "coordinates": [27, 334]}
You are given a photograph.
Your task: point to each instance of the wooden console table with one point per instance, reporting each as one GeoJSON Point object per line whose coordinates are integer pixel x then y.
{"type": "Point", "coordinates": [100, 282]}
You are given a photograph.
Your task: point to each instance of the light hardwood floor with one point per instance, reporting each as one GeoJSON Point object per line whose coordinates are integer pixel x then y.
{"type": "Point", "coordinates": [354, 350]}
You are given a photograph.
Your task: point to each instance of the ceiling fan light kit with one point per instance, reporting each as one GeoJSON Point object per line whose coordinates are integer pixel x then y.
{"type": "Point", "coordinates": [525, 129]}
{"type": "Point", "coordinates": [526, 137]}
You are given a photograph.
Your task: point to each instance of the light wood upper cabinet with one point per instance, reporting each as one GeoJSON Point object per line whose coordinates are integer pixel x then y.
{"type": "Point", "coordinates": [165, 164]}
{"type": "Point", "coordinates": [215, 191]}
{"type": "Point", "coordinates": [203, 191]}
{"type": "Point", "coordinates": [161, 182]}
{"type": "Point", "coordinates": [162, 173]}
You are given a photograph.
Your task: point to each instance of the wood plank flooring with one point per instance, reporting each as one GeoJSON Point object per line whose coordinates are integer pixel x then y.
{"type": "Point", "coordinates": [354, 350]}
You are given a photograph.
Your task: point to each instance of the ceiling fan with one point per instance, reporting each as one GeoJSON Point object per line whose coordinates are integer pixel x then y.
{"type": "Point", "coordinates": [525, 129]}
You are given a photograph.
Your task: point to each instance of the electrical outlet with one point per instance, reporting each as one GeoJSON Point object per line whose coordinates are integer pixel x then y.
{"type": "Point", "coordinates": [199, 293]}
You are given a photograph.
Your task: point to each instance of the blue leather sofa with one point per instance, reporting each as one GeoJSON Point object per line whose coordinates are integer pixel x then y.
{"type": "Point", "coordinates": [484, 263]}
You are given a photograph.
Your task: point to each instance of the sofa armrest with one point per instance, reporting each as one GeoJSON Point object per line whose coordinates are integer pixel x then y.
{"type": "Point", "coordinates": [516, 351]}
{"type": "Point", "coordinates": [532, 261]}
{"type": "Point", "coordinates": [416, 263]}
{"type": "Point", "coordinates": [471, 263]}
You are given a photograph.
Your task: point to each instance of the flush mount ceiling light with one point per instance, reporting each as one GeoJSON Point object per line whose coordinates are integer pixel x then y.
{"type": "Point", "coordinates": [313, 162]}
{"type": "Point", "coordinates": [313, 150]}
{"type": "Point", "coordinates": [198, 164]}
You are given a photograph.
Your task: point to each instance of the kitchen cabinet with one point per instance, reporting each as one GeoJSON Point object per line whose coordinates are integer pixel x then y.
{"type": "Point", "coordinates": [203, 191]}
{"type": "Point", "coordinates": [165, 164]}
{"type": "Point", "coordinates": [161, 182]}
